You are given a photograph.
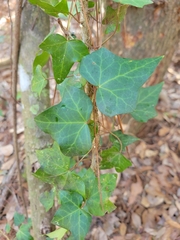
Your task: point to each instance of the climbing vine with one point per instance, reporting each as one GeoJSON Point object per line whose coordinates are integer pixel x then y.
{"type": "Point", "coordinates": [94, 84]}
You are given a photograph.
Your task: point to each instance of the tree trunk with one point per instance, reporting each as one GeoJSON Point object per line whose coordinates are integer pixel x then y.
{"type": "Point", "coordinates": [145, 33]}
{"type": "Point", "coordinates": [35, 26]}
{"type": "Point", "coordinates": [149, 32]}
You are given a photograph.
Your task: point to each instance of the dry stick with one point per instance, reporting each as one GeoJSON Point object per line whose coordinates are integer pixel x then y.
{"type": "Point", "coordinates": [87, 23]}
{"type": "Point", "coordinates": [97, 25]}
{"type": "Point", "coordinates": [4, 187]}
{"type": "Point", "coordinates": [15, 56]}
{"type": "Point", "coordinates": [2, 233]}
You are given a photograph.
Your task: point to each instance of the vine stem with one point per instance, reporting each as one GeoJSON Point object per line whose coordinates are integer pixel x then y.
{"type": "Point", "coordinates": [14, 66]}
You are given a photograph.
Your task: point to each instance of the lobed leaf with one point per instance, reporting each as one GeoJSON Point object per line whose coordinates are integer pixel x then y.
{"type": "Point", "coordinates": [18, 218]}
{"type": "Point", "coordinates": [64, 54]}
{"type": "Point", "coordinates": [71, 216]}
{"type": "Point", "coordinates": [124, 139]}
{"type": "Point", "coordinates": [118, 80]}
{"type": "Point", "coordinates": [47, 199]}
{"type": "Point", "coordinates": [39, 80]}
{"type": "Point", "coordinates": [147, 100]}
{"type": "Point", "coordinates": [66, 122]}
{"type": "Point", "coordinates": [52, 7]}
{"type": "Point", "coordinates": [112, 158]}
{"type": "Point", "coordinates": [95, 204]}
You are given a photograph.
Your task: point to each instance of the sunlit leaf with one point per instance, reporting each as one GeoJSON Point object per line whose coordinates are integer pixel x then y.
{"type": "Point", "coordinates": [57, 234]}
{"type": "Point", "coordinates": [118, 80]}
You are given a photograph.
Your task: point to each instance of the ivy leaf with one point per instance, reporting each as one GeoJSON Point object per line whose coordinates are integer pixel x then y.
{"type": "Point", "coordinates": [113, 158]}
{"type": "Point", "coordinates": [39, 80]}
{"type": "Point", "coordinates": [93, 203]}
{"type": "Point", "coordinates": [113, 18]}
{"type": "Point", "coordinates": [122, 140]}
{"type": "Point", "coordinates": [40, 59]}
{"type": "Point", "coordinates": [24, 231]}
{"type": "Point", "coordinates": [135, 3]}
{"type": "Point", "coordinates": [57, 234]}
{"type": "Point", "coordinates": [53, 161]}
{"type": "Point", "coordinates": [66, 122]}
{"type": "Point", "coordinates": [72, 182]}
{"type": "Point", "coordinates": [18, 219]}
{"type": "Point", "coordinates": [47, 199]}
{"type": "Point", "coordinates": [71, 216]}
{"type": "Point", "coordinates": [147, 100]}
{"type": "Point", "coordinates": [52, 7]}
{"type": "Point", "coordinates": [118, 79]}
{"type": "Point", "coordinates": [64, 54]}
{"type": "Point", "coordinates": [55, 170]}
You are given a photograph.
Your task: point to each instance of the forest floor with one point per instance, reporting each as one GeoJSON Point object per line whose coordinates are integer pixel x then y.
{"type": "Point", "coordinates": [147, 195]}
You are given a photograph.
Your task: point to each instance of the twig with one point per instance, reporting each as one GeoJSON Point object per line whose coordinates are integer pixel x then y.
{"type": "Point", "coordinates": [15, 57]}
{"type": "Point", "coordinates": [4, 234]}
{"type": "Point", "coordinates": [4, 187]}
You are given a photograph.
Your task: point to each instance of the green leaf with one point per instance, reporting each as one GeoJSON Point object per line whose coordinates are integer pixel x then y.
{"type": "Point", "coordinates": [118, 79]}
{"type": "Point", "coordinates": [73, 79]}
{"type": "Point", "coordinates": [40, 59]}
{"type": "Point", "coordinates": [53, 161]}
{"type": "Point", "coordinates": [113, 158]}
{"type": "Point", "coordinates": [18, 219]}
{"type": "Point", "coordinates": [24, 232]}
{"type": "Point", "coordinates": [43, 176]}
{"type": "Point", "coordinates": [52, 7]}
{"type": "Point", "coordinates": [93, 203]}
{"type": "Point", "coordinates": [72, 182]}
{"type": "Point", "coordinates": [147, 100]}
{"type": "Point", "coordinates": [47, 199]}
{"type": "Point", "coordinates": [64, 54]}
{"type": "Point", "coordinates": [122, 140]}
{"type": "Point", "coordinates": [71, 216]}
{"type": "Point", "coordinates": [58, 233]}
{"type": "Point", "coordinates": [135, 3]}
{"type": "Point", "coordinates": [66, 122]}
{"type": "Point", "coordinates": [90, 4]}
{"type": "Point", "coordinates": [113, 18]}
{"type": "Point", "coordinates": [7, 228]}
{"type": "Point", "coordinates": [39, 80]}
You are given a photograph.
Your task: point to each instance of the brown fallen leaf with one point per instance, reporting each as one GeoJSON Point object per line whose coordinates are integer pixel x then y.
{"type": "Point", "coordinates": [6, 150]}
{"type": "Point", "coordinates": [136, 220]}
{"type": "Point", "coordinates": [136, 189]}
{"type": "Point", "coordinates": [163, 131]}
{"type": "Point", "coordinates": [123, 229]}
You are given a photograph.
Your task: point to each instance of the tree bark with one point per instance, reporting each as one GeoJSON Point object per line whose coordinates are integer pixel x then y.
{"type": "Point", "coordinates": [145, 33]}
{"type": "Point", "coordinates": [34, 27]}
{"type": "Point", "coordinates": [150, 32]}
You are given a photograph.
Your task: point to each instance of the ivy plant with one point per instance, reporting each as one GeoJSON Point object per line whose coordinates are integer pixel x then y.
{"type": "Point", "coordinates": [94, 84]}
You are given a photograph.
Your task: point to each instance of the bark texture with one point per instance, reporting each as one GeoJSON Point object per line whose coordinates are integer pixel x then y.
{"type": "Point", "coordinates": [35, 26]}
{"type": "Point", "coordinates": [145, 33]}
{"type": "Point", "coordinates": [149, 32]}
